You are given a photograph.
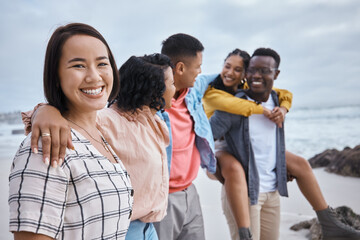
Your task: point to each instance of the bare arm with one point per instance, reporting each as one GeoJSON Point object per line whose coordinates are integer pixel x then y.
{"type": "Point", "coordinates": [48, 120]}
{"type": "Point", "coordinates": [30, 236]}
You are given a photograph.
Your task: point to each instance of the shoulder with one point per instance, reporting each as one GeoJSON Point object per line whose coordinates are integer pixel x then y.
{"type": "Point", "coordinates": [240, 93]}
{"type": "Point", "coordinates": [111, 115]}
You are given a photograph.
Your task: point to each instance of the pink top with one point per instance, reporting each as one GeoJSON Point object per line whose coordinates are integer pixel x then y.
{"type": "Point", "coordinates": [139, 139]}
{"type": "Point", "coordinates": [185, 161]}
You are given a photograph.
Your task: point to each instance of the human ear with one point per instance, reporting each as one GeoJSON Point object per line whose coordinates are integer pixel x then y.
{"type": "Point", "coordinates": [276, 74]}
{"type": "Point", "coordinates": [179, 68]}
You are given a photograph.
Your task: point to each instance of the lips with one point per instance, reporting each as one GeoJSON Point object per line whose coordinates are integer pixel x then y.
{"type": "Point", "coordinates": [93, 91]}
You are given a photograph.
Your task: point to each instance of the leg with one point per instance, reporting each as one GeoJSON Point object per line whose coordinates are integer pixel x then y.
{"type": "Point", "coordinates": [236, 188]}
{"type": "Point", "coordinates": [193, 227]}
{"type": "Point", "coordinates": [305, 178]}
{"type": "Point", "coordinates": [270, 217]}
{"type": "Point", "coordinates": [171, 225]}
{"type": "Point", "coordinates": [255, 216]}
{"type": "Point", "coordinates": [233, 228]}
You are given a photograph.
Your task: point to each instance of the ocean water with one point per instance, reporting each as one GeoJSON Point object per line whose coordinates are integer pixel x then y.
{"type": "Point", "coordinates": [308, 131]}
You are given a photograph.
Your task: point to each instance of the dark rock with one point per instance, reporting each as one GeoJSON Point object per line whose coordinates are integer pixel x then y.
{"type": "Point", "coordinates": [345, 162]}
{"type": "Point", "coordinates": [346, 215]}
{"type": "Point", "coordinates": [324, 159]}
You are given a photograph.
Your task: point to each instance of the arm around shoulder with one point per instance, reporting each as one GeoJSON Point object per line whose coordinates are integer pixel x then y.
{"type": "Point", "coordinates": [223, 101]}
{"type": "Point", "coordinates": [285, 97]}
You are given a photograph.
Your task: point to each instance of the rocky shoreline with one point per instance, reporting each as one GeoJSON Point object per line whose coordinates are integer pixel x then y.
{"type": "Point", "coordinates": [345, 162]}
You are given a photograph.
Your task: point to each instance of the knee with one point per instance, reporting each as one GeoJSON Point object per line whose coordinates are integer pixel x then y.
{"type": "Point", "coordinates": [298, 165]}
{"type": "Point", "coordinates": [304, 164]}
{"type": "Point", "coordinates": [233, 168]}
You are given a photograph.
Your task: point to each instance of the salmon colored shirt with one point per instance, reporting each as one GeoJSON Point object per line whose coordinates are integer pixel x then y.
{"type": "Point", "coordinates": [139, 139]}
{"type": "Point", "coordinates": [185, 161]}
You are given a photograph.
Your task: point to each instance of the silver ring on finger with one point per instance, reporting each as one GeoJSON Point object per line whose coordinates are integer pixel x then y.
{"type": "Point", "coordinates": [46, 135]}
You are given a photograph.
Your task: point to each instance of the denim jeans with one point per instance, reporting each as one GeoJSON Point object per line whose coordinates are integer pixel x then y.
{"type": "Point", "coordinates": [141, 231]}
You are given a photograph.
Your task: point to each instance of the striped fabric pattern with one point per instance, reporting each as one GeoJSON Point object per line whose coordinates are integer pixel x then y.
{"type": "Point", "coordinates": [87, 197]}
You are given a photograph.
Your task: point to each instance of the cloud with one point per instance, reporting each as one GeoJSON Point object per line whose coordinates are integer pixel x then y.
{"type": "Point", "coordinates": [317, 39]}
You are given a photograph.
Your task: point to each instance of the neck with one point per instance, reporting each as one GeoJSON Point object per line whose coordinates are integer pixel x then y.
{"type": "Point", "coordinates": [86, 120]}
{"type": "Point", "coordinates": [259, 97]}
{"type": "Point", "coordinates": [178, 92]}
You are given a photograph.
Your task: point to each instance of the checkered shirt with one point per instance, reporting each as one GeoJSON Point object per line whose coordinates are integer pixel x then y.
{"type": "Point", "coordinates": [87, 197]}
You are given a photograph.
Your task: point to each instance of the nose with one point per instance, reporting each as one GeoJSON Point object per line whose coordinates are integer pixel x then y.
{"type": "Point", "coordinates": [257, 74]}
{"type": "Point", "coordinates": [92, 75]}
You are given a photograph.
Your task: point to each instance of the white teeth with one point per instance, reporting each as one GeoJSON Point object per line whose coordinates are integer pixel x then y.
{"type": "Point", "coordinates": [92, 91]}
{"type": "Point", "coordinates": [256, 83]}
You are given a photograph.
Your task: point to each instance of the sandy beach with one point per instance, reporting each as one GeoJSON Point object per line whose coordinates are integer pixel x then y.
{"type": "Point", "coordinates": [338, 191]}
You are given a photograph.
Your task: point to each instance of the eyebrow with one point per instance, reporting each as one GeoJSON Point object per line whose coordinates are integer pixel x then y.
{"type": "Point", "coordinates": [83, 59]}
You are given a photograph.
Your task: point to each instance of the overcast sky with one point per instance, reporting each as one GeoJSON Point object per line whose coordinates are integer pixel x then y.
{"type": "Point", "coordinates": [318, 40]}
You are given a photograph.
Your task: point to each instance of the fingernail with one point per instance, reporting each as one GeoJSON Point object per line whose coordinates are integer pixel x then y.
{"type": "Point", "coordinates": [60, 161]}
{"type": "Point", "coordinates": [54, 164]}
{"type": "Point", "coordinates": [35, 151]}
{"type": "Point", "coordinates": [47, 161]}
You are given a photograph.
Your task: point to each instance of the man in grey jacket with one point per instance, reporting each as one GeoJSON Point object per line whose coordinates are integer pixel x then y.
{"type": "Point", "coordinates": [259, 145]}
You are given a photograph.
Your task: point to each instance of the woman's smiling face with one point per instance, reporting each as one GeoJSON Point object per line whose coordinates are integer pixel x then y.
{"type": "Point", "coordinates": [85, 73]}
{"type": "Point", "coordinates": [233, 71]}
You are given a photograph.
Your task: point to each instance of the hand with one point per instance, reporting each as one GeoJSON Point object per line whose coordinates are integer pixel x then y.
{"type": "Point", "coordinates": [267, 112]}
{"type": "Point", "coordinates": [55, 134]}
{"type": "Point", "coordinates": [278, 115]}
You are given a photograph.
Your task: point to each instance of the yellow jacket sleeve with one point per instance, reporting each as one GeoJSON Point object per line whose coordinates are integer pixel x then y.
{"type": "Point", "coordinates": [215, 99]}
{"type": "Point", "coordinates": [285, 97]}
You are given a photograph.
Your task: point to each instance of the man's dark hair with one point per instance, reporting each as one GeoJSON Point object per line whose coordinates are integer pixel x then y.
{"type": "Point", "coordinates": [218, 82]}
{"type": "Point", "coordinates": [268, 52]}
{"type": "Point", "coordinates": [143, 82]}
{"type": "Point", "coordinates": [52, 90]}
{"type": "Point", "coordinates": [180, 46]}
